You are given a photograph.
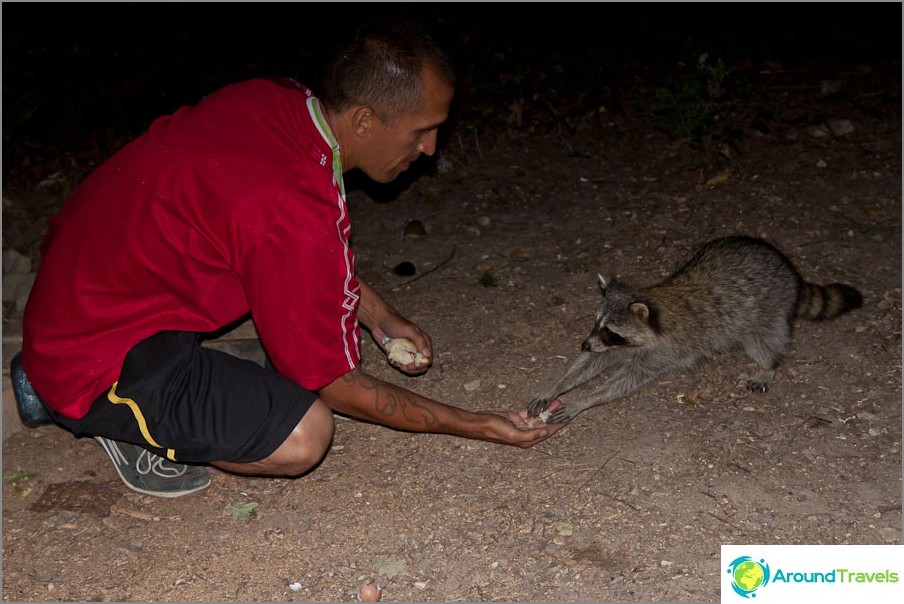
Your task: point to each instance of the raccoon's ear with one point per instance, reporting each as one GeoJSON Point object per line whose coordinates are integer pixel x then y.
{"type": "Point", "coordinates": [640, 310]}
{"type": "Point", "coordinates": [647, 314]}
{"type": "Point", "coordinates": [603, 283]}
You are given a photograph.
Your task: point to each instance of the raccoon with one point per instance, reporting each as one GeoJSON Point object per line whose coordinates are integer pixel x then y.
{"type": "Point", "coordinates": [734, 292]}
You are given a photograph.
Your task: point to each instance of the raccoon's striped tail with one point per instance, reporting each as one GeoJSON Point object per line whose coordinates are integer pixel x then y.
{"type": "Point", "coordinates": [823, 302]}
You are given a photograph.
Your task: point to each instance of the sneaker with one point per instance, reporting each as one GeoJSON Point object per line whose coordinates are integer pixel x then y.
{"type": "Point", "coordinates": [151, 474]}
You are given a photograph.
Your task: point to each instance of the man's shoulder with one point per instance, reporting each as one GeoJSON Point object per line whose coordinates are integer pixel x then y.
{"type": "Point", "coordinates": [266, 118]}
{"type": "Point", "coordinates": [263, 89]}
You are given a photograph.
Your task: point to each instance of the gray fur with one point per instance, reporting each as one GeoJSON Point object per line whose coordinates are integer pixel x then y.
{"type": "Point", "coordinates": [735, 292]}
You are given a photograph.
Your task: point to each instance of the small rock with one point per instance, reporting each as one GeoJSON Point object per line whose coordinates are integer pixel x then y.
{"type": "Point", "coordinates": [841, 127]}
{"type": "Point", "coordinates": [415, 229]}
{"type": "Point", "coordinates": [827, 87]}
{"type": "Point", "coordinates": [835, 128]}
{"type": "Point", "coordinates": [17, 286]}
{"type": "Point", "coordinates": [15, 263]}
{"type": "Point", "coordinates": [889, 534]}
{"type": "Point", "coordinates": [444, 164]}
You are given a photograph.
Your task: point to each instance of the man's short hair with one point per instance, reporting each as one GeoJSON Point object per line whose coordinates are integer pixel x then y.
{"type": "Point", "coordinates": [381, 67]}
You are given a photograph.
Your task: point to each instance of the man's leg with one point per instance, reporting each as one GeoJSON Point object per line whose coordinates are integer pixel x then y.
{"type": "Point", "coordinates": [192, 404]}
{"type": "Point", "coordinates": [140, 469]}
{"type": "Point", "coordinates": [301, 451]}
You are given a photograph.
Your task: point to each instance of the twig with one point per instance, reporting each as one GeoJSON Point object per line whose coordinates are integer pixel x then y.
{"type": "Point", "coordinates": [824, 122]}
{"type": "Point", "coordinates": [425, 273]}
{"type": "Point", "coordinates": [134, 514]}
{"type": "Point", "coordinates": [719, 519]}
{"type": "Point", "coordinates": [455, 159]}
{"type": "Point", "coordinates": [622, 501]}
{"type": "Point", "coordinates": [598, 470]}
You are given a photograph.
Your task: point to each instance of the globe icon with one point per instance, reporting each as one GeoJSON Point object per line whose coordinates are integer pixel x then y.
{"type": "Point", "coordinates": [748, 575]}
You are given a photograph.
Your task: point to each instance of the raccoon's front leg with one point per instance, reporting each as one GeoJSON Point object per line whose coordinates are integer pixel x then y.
{"type": "Point", "coordinates": [627, 379]}
{"type": "Point", "coordinates": [585, 367]}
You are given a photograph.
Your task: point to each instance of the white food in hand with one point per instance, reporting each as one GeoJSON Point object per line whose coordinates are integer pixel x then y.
{"type": "Point", "coordinates": [543, 417]}
{"type": "Point", "coordinates": [404, 352]}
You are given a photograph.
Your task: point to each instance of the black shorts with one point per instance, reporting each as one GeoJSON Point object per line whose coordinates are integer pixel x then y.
{"type": "Point", "coordinates": [194, 404]}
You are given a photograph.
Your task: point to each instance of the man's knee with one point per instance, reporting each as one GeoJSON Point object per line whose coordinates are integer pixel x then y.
{"type": "Point", "coordinates": [308, 442]}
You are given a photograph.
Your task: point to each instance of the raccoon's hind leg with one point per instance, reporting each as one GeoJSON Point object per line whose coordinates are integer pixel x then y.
{"type": "Point", "coordinates": [585, 367]}
{"type": "Point", "coordinates": [767, 350]}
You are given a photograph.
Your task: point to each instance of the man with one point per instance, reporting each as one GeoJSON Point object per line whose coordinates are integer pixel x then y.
{"type": "Point", "coordinates": [232, 206]}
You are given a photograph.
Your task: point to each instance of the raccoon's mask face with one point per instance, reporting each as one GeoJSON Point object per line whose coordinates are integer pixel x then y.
{"type": "Point", "coordinates": [620, 321]}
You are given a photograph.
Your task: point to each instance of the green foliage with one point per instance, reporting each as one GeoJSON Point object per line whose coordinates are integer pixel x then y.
{"type": "Point", "coordinates": [696, 106]}
{"type": "Point", "coordinates": [487, 280]}
{"type": "Point", "coordinates": [18, 476]}
{"type": "Point", "coordinates": [20, 480]}
{"type": "Point", "coordinates": [242, 511]}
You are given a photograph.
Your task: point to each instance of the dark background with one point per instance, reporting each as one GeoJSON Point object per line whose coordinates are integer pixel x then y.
{"type": "Point", "coordinates": [82, 74]}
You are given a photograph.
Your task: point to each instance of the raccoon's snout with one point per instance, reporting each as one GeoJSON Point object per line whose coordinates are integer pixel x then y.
{"type": "Point", "coordinates": [602, 339]}
{"type": "Point", "coordinates": [593, 344]}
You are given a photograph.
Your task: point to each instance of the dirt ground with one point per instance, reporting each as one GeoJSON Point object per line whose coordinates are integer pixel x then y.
{"type": "Point", "coordinates": [632, 500]}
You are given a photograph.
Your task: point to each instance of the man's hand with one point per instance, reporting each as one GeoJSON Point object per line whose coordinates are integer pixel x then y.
{"type": "Point", "coordinates": [385, 323]}
{"type": "Point", "coordinates": [520, 429]}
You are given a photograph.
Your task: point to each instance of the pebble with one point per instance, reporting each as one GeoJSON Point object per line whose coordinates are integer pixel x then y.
{"type": "Point", "coordinates": [369, 593]}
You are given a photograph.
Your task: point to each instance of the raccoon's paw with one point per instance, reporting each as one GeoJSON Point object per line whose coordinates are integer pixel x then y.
{"type": "Point", "coordinates": [757, 386]}
{"type": "Point", "coordinates": [761, 382]}
{"type": "Point", "coordinates": [537, 406]}
{"type": "Point", "coordinates": [562, 415]}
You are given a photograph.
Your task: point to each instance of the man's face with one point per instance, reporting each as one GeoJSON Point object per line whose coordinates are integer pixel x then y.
{"type": "Point", "coordinates": [394, 148]}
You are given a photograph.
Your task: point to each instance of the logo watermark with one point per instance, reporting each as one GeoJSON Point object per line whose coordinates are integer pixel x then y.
{"type": "Point", "coordinates": [794, 573]}
{"type": "Point", "coordinates": [748, 575]}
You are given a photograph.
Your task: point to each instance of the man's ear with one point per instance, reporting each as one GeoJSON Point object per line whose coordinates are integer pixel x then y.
{"type": "Point", "coordinates": [362, 120]}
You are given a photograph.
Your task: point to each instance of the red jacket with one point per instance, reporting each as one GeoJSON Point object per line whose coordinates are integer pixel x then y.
{"type": "Point", "coordinates": [229, 206]}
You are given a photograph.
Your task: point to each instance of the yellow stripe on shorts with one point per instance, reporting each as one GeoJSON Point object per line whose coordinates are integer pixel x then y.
{"type": "Point", "coordinates": [139, 417]}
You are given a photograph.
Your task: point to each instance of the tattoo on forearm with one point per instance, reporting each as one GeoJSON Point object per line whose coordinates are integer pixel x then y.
{"type": "Point", "coordinates": [391, 401]}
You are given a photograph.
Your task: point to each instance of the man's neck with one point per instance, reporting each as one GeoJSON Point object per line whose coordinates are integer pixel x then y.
{"type": "Point", "coordinates": [341, 129]}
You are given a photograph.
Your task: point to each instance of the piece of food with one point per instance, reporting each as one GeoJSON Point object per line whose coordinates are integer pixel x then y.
{"type": "Point", "coordinates": [543, 416]}
{"type": "Point", "coordinates": [404, 352]}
